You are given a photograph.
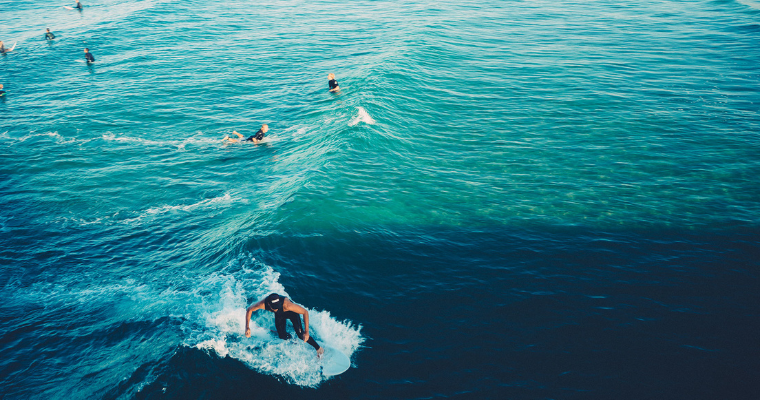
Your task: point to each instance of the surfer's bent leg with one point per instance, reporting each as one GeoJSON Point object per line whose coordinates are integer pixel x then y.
{"type": "Point", "coordinates": [296, 320]}
{"type": "Point", "coordinates": [279, 324]}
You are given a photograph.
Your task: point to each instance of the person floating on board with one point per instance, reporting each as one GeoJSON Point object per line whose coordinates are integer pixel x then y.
{"type": "Point", "coordinates": [333, 83]}
{"type": "Point", "coordinates": [49, 35]}
{"type": "Point", "coordinates": [88, 56]}
{"type": "Point", "coordinates": [283, 310]}
{"type": "Point", "coordinates": [255, 138]}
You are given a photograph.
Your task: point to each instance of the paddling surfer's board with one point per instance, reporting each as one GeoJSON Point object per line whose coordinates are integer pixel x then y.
{"type": "Point", "coordinates": [334, 362]}
{"type": "Point", "coordinates": [68, 8]}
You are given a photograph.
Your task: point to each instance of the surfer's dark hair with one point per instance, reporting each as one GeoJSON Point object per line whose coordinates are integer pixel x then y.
{"type": "Point", "coordinates": [270, 300]}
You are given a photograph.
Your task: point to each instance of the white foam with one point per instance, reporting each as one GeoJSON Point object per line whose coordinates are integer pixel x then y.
{"type": "Point", "coordinates": [215, 203]}
{"type": "Point", "coordinates": [223, 325]}
{"type": "Point", "coordinates": [361, 116]}
{"type": "Point", "coordinates": [54, 135]}
{"type": "Point", "coordinates": [178, 143]}
{"type": "Point", "coordinates": [750, 3]}
{"type": "Point", "coordinates": [211, 203]}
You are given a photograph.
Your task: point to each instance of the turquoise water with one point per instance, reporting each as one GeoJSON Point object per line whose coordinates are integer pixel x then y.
{"type": "Point", "coordinates": [581, 177]}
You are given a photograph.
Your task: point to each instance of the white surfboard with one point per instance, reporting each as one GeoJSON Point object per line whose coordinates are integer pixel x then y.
{"type": "Point", "coordinates": [334, 362]}
{"type": "Point", "coordinates": [68, 8]}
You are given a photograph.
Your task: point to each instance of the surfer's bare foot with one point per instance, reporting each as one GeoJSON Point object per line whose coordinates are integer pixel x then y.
{"type": "Point", "coordinates": [320, 352]}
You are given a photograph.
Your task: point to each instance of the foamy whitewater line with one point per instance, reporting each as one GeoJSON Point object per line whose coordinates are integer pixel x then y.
{"type": "Point", "coordinates": [361, 116]}
{"type": "Point", "coordinates": [179, 144]}
{"type": "Point", "coordinates": [59, 139]}
{"type": "Point", "coordinates": [111, 137]}
{"type": "Point", "coordinates": [224, 201]}
{"type": "Point", "coordinates": [208, 203]}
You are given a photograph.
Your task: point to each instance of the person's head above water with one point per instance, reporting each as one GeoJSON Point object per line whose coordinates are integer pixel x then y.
{"type": "Point", "coordinates": [264, 128]}
{"type": "Point", "coordinates": [330, 76]}
{"type": "Point", "coordinates": [273, 302]}
{"type": "Point", "coordinates": [48, 29]}
{"type": "Point", "coordinates": [86, 50]}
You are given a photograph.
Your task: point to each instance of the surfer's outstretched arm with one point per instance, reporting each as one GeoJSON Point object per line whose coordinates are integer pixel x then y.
{"type": "Point", "coordinates": [248, 313]}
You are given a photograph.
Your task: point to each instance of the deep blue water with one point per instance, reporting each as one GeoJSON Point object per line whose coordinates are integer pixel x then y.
{"type": "Point", "coordinates": [521, 200]}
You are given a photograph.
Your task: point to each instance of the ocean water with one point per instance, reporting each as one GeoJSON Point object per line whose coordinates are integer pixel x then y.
{"type": "Point", "coordinates": [506, 200]}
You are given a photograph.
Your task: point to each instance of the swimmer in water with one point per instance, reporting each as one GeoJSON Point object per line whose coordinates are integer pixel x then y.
{"type": "Point", "coordinates": [333, 83]}
{"type": "Point", "coordinates": [284, 310]}
{"type": "Point", "coordinates": [2, 92]}
{"type": "Point", "coordinates": [2, 48]}
{"type": "Point", "coordinates": [78, 6]}
{"type": "Point", "coordinates": [49, 35]}
{"type": "Point", "coordinates": [88, 56]}
{"type": "Point", "coordinates": [255, 138]}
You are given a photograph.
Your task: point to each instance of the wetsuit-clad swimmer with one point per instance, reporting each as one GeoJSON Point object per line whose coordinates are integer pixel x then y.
{"type": "Point", "coordinates": [2, 92]}
{"type": "Point", "coordinates": [78, 6]}
{"type": "Point", "coordinates": [2, 47]}
{"type": "Point", "coordinates": [49, 35]}
{"type": "Point", "coordinates": [255, 138]}
{"type": "Point", "coordinates": [283, 310]}
{"type": "Point", "coordinates": [333, 83]}
{"type": "Point", "coordinates": [88, 56]}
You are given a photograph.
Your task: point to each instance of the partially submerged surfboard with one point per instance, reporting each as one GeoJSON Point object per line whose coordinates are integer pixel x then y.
{"type": "Point", "coordinates": [334, 362]}
{"type": "Point", "coordinates": [68, 8]}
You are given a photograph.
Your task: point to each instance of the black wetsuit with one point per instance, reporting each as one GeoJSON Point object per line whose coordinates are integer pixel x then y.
{"type": "Point", "coordinates": [89, 57]}
{"type": "Point", "coordinates": [78, 6]}
{"type": "Point", "coordinates": [2, 92]}
{"type": "Point", "coordinates": [333, 84]}
{"type": "Point", "coordinates": [49, 36]}
{"type": "Point", "coordinates": [258, 136]}
{"type": "Point", "coordinates": [274, 302]}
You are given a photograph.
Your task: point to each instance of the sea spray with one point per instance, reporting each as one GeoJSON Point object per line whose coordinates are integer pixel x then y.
{"type": "Point", "coordinates": [361, 116]}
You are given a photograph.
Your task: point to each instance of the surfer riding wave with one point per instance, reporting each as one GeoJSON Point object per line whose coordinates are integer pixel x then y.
{"type": "Point", "coordinates": [284, 310]}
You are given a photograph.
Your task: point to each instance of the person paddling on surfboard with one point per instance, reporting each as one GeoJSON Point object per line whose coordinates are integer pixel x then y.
{"type": "Point", "coordinates": [284, 310]}
{"type": "Point", "coordinates": [334, 87]}
{"type": "Point", "coordinates": [255, 138]}
{"type": "Point", "coordinates": [88, 56]}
